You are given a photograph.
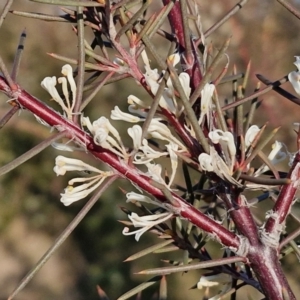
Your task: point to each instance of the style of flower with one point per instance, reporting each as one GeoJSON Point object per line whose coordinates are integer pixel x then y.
{"type": "Point", "coordinates": [294, 77]}
{"type": "Point", "coordinates": [145, 223]}
{"type": "Point", "coordinates": [49, 84]}
{"type": "Point", "coordinates": [86, 184]}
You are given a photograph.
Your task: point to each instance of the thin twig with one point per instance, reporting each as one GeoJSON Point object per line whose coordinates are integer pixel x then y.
{"type": "Point", "coordinates": [5, 10]}
{"type": "Point", "coordinates": [201, 265]}
{"type": "Point", "coordinates": [188, 107]}
{"type": "Point", "coordinates": [290, 8]}
{"type": "Point", "coordinates": [18, 56]}
{"type": "Point", "coordinates": [207, 76]}
{"type": "Point", "coordinates": [40, 16]}
{"type": "Point", "coordinates": [70, 3]}
{"type": "Point", "coordinates": [31, 153]}
{"type": "Point", "coordinates": [103, 82]}
{"type": "Point", "coordinates": [278, 89]}
{"type": "Point", "coordinates": [81, 61]}
{"type": "Point", "coordinates": [7, 76]}
{"type": "Point", "coordinates": [8, 116]}
{"type": "Point", "coordinates": [234, 10]}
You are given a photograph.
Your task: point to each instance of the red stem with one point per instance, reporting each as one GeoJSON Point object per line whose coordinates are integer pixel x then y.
{"type": "Point", "coordinates": [266, 265]}
{"type": "Point", "coordinates": [285, 199]}
{"type": "Point", "coordinates": [175, 20]}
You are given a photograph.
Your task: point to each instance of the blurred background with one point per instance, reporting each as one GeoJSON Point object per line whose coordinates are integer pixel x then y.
{"type": "Point", "coordinates": [31, 215]}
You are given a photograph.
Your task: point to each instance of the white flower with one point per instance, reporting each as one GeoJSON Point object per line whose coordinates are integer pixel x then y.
{"type": "Point", "coordinates": [154, 172]}
{"type": "Point", "coordinates": [137, 106]}
{"type": "Point", "coordinates": [147, 154]}
{"type": "Point", "coordinates": [275, 156]}
{"type": "Point", "coordinates": [160, 131]}
{"type": "Point", "coordinates": [214, 163]}
{"type": "Point", "coordinates": [101, 130]}
{"type": "Point", "coordinates": [184, 79]}
{"type": "Point", "coordinates": [64, 164]}
{"type": "Point", "coordinates": [135, 133]}
{"type": "Point", "coordinates": [145, 222]}
{"type": "Point", "coordinates": [251, 134]}
{"type": "Point", "coordinates": [205, 161]}
{"type": "Point", "coordinates": [152, 78]}
{"type": "Point", "coordinates": [226, 140]}
{"type": "Point", "coordinates": [135, 197]}
{"type": "Point", "coordinates": [213, 280]}
{"type": "Point", "coordinates": [208, 281]}
{"type": "Point", "coordinates": [217, 136]}
{"type": "Point", "coordinates": [86, 184]}
{"type": "Point", "coordinates": [294, 77]}
{"type": "Point", "coordinates": [206, 102]}
{"type": "Point", "coordinates": [49, 84]}
{"type": "Point", "coordinates": [117, 114]}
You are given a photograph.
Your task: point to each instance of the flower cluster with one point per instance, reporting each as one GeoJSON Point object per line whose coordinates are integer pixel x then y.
{"type": "Point", "coordinates": [49, 84]}
{"type": "Point", "coordinates": [87, 184]}
{"type": "Point", "coordinates": [145, 222]}
{"type": "Point", "coordinates": [221, 159]}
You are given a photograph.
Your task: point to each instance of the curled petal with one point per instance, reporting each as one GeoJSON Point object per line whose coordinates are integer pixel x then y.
{"type": "Point", "coordinates": [206, 101]}
{"type": "Point", "coordinates": [276, 155]}
{"type": "Point", "coordinates": [154, 172]}
{"type": "Point", "coordinates": [251, 134]}
{"type": "Point", "coordinates": [218, 135]}
{"type": "Point", "coordinates": [135, 133]}
{"type": "Point", "coordinates": [100, 136]}
{"type": "Point", "coordinates": [161, 131]}
{"type": "Point", "coordinates": [135, 197]}
{"type": "Point", "coordinates": [294, 78]}
{"type": "Point", "coordinates": [145, 222]}
{"type": "Point", "coordinates": [117, 114]}
{"type": "Point", "coordinates": [175, 58]}
{"type": "Point", "coordinates": [184, 79]}
{"type": "Point", "coordinates": [151, 78]}
{"type": "Point", "coordinates": [297, 62]}
{"type": "Point", "coordinates": [85, 121]}
{"type": "Point", "coordinates": [205, 162]}
{"type": "Point", "coordinates": [49, 84]}
{"type": "Point", "coordinates": [131, 99]}
{"type": "Point", "coordinates": [68, 72]}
